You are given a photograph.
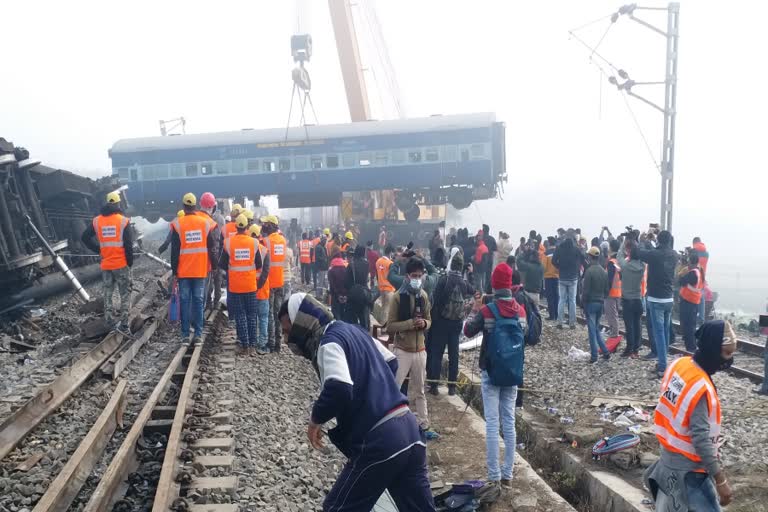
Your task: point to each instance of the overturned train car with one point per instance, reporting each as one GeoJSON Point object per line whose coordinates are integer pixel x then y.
{"type": "Point", "coordinates": [60, 204]}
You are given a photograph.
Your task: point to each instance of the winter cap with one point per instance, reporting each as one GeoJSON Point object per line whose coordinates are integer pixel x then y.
{"type": "Point", "coordinates": [501, 278]}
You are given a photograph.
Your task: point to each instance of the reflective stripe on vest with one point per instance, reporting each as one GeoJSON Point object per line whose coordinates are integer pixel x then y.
{"type": "Point", "coordinates": [683, 385]}
{"type": "Point", "coordinates": [276, 245]}
{"type": "Point", "coordinates": [193, 230]}
{"type": "Point", "coordinates": [241, 251]}
{"type": "Point", "coordinates": [615, 290]}
{"type": "Point", "coordinates": [691, 293]}
{"type": "Point", "coordinates": [109, 232]}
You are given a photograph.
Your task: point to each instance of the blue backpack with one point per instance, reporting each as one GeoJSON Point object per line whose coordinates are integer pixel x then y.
{"type": "Point", "coordinates": [506, 351]}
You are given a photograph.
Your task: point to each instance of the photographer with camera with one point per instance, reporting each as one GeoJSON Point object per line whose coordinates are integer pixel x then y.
{"type": "Point", "coordinates": [691, 285]}
{"type": "Point", "coordinates": [661, 274]}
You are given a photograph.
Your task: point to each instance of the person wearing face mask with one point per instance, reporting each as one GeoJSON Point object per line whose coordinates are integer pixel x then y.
{"type": "Point", "coordinates": [375, 429]}
{"type": "Point", "coordinates": [408, 321]}
{"type": "Point", "coordinates": [688, 475]}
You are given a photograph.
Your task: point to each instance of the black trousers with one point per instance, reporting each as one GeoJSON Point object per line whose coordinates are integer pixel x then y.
{"type": "Point", "coordinates": [632, 311]}
{"type": "Point", "coordinates": [306, 273]}
{"type": "Point", "coordinates": [444, 333]}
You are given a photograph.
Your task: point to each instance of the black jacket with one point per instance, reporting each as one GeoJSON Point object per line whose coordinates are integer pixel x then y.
{"type": "Point", "coordinates": [568, 259]}
{"type": "Point", "coordinates": [662, 262]}
{"type": "Point", "coordinates": [357, 273]}
{"type": "Point", "coordinates": [90, 241]}
{"type": "Point", "coordinates": [321, 257]}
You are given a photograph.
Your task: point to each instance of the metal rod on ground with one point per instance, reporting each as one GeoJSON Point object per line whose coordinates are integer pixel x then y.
{"type": "Point", "coordinates": [60, 263]}
{"type": "Point", "coordinates": [157, 259]}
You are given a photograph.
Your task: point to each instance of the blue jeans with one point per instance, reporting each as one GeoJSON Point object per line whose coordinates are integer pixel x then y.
{"type": "Point", "coordinates": [262, 316]}
{"type": "Point", "coordinates": [701, 494]}
{"type": "Point", "coordinates": [594, 310]}
{"type": "Point", "coordinates": [499, 401]}
{"type": "Point", "coordinates": [660, 314]}
{"type": "Point", "coordinates": [192, 295]}
{"type": "Point", "coordinates": [702, 313]}
{"type": "Point", "coordinates": [567, 294]}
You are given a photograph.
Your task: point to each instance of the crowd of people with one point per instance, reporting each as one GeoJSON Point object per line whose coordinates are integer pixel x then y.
{"type": "Point", "coordinates": [424, 299]}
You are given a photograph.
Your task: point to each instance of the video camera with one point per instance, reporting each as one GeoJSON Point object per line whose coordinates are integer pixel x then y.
{"type": "Point", "coordinates": [631, 233]}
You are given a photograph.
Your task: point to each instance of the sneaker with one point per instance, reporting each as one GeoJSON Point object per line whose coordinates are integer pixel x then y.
{"type": "Point", "coordinates": [451, 390]}
{"type": "Point", "coordinates": [506, 483]}
{"type": "Point", "coordinates": [560, 326]}
{"type": "Point", "coordinates": [607, 356]}
{"type": "Point", "coordinates": [593, 360]}
{"type": "Point", "coordinates": [124, 329]}
{"type": "Point", "coordinates": [658, 375]}
{"type": "Point", "coordinates": [197, 340]}
{"type": "Point", "coordinates": [573, 327]}
{"type": "Point", "coordinates": [261, 351]}
{"type": "Point", "coordinates": [650, 356]}
{"type": "Point", "coordinates": [433, 390]}
{"type": "Point", "coordinates": [626, 353]}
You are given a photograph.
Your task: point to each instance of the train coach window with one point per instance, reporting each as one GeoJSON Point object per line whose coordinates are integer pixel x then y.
{"type": "Point", "coordinates": [414, 156]}
{"type": "Point", "coordinates": [449, 153]}
{"type": "Point", "coordinates": [162, 171]}
{"type": "Point", "coordinates": [366, 159]}
{"type": "Point", "coordinates": [148, 173]}
{"type": "Point", "coordinates": [122, 173]}
{"type": "Point", "coordinates": [253, 166]}
{"type": "Point", "coordinates": [269, 165]}
{"type": "Point", "coordinates": [349, 159]}
{"type": "Point", "coordinates": [191, 170]}
{"type": "Point", "coordinates": [238, 166]}
{"type": "Point", "coordinates": [398, 156]}
{"type": "Point", "coordinates": [431, 155]}
{"type": "Point", "coordinates": [382, 158]}
{"type": "Point", "coordinates": [300, 163]}
{"type": "Point", "coordinates": [284, 164]}
{"type": "Point", "coordinates": [206, 169]}
{"type": "Point", "coordinates": [177, 170]}
{"type": "Point", "coordinates": [223, 167]}
{"type": "Point", "coordinates": [332, 161]}
{"type": "Point", "coordinates": [134, 175]}
{"type": "Point", "coordinates": [316, 162]}
{"type": "Point", "coordinates": [478, 150]}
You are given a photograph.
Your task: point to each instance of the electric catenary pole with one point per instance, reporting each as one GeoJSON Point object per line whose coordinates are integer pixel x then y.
{"type": "Point", "coordinates": [625, 84]}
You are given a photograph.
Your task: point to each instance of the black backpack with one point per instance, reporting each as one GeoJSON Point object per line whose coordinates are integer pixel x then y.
{"type": "Point", "coordinates": [532, 317]}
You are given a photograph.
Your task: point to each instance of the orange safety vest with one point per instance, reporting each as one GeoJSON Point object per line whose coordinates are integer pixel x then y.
{"type": "Point", "coordinates": [382, 271]}
{"type": "Point", "coordinates": [329, 246]}
{"type": "Point", "coordinates": [701, 250]}
{"type": "Point", "coordinates": [304, 248]}
{"type": "Point", "coordinates": [109, 231]}
{"type": "Point", "coordinates": [644, 283]}
{"type": "Point", "coordinates": [263, 292]}
{"type": "Point", "coordinates": [230, 229]}
{"type": "Point", "coordinates": [345, 247]}
{"type": "Point", "coordinates": [615, 290]}
{"type": "Point", "coordinates": [276, 243]}
{"type": "Point", "coordinates": [684, 384]}
{"type": "Point", "coordinates": [693, 293]}
{"type": "Point", "coordinates": [193, 230]}
{"type": "Point", "coordinates": [314, 244]}
{"type": "Point", "coordinates": [242, 269]}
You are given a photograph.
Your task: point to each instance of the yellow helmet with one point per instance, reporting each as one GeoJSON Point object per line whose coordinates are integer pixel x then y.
{"type": "Point", "coordinates": [326, 231]}
{"type": "Point", "coordinates": [255, 230]}
{"type": "Point", "coordinates": [189, 199]}
{"type": "Point", "coordinates": [271, 219]}
{"type": "Point", "coordinates": [237, 208]}
{"type": "Point", "coordinates": [349, 236]}
{"type": "Point", "coordinates": [241, 221]}
{"type": "Point", "coordinates": [248, 214]}
{"type": "Point", "coordinates": [113, 197]}
{"type": "Point", "coordinates": [180, 213]}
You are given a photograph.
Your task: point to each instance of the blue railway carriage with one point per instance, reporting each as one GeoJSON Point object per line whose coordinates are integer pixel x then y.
{"type": "Point", "coordinates": [455, 158]}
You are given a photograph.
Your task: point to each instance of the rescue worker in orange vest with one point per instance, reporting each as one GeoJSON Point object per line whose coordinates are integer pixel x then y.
{"type": "Point", "coordinates": [386, 290]}
{"type": "Point", "coordinates": [110, 235]}
{"type": "Point", "coordinates": [611, 303]}
{"type": "Point", "coordinates": [262, 294]}
{"type": "Point", "coordinates": [313, 257]}
{"type": "Point", "coordinates": [169, 237]}
{"type": "Point", "coordinates": [276, 245]}
{"type": "Point", "coordinates": [230, 228]}
{"type": "Point", "coordinates": [243, 257]}
{"type": "Point", "coordinates": [213, 285]}
{"type": "Point", "coordinates": [193, 253]}
{"type": "Point", "coordinates": [703, 254]}
{"type": "Point", "coordinates": [688, 475]}
{"type": "Point", "coordinates": [348, 246]}
{"type": "Point", "coordinates": [305, 258]}
{"type": "Point", "coordinates": [691, 285]}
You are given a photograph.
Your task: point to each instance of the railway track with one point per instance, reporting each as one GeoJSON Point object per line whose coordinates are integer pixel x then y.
{"type": "Point", "coordinates": [745, 346]}
{"type": "Point", "coordinates": [181, 435]}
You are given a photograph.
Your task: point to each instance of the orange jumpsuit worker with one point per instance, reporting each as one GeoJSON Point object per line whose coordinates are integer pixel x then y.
{"type": "Point", "coordinates": [276, 245]}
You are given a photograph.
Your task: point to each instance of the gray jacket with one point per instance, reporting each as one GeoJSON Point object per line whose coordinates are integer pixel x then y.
{"type": "Point", "coordinates": [632, 273]}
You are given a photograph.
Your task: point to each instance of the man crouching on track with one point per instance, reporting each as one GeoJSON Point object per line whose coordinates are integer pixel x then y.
{"type": "Point", "coordinates": [375, 429]}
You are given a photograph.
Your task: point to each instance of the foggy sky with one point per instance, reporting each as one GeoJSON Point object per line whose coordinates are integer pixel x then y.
{"type": "Point", "coordinates": [90, 73]}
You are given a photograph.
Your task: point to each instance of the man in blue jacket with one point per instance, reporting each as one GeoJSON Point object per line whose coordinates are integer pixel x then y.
{"type": "Point", "coordinates": [374, 429]}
